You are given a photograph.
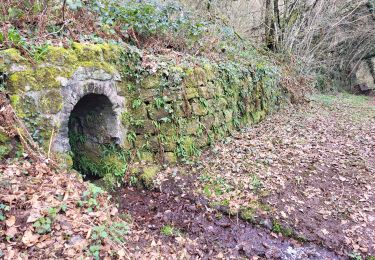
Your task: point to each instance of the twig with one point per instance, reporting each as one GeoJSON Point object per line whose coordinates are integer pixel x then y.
{"type": "Point", "coordinates": [50, 143]}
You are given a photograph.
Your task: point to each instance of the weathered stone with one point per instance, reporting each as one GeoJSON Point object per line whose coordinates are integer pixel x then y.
{"type": "Point", "coordinates": [195, 77]}
{"type": "Point", "coordinates": [191, 93]}
{"type": "Point", "coordinates": [199, 109]}
{"type": "Point", "coordinates": [190, 127]}
{"type": "Point", "coordinates": [151, 82]}
{"type": "Point", "coordinates": [172, 94]}
{"type": "Point", "coordinates": [148, 94]}
{"type": "Point", "coordinates": [208, 121]}
{"type": "Point", "coordinates": [157, 114]}
{"type": "Point", "coordinates": [219, 119]}
{"type": "Point", "coordinates": [182, 109]}
{"type": "Point", "coordinates": [206, 92]}
{"type": "Point", "coordinates": [194, 108]}
{"type": "Point", "coordinates": [202, 141]}
{"type": "Point", "coordinates": [168, 129]}
{"type": "Point", "coordinates": [51, 102]}
{"type": "Point", "coordinates": [147, 127]}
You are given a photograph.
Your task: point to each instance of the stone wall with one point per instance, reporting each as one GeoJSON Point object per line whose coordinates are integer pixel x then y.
{"type": "Point", "coordinates": [166, 108]}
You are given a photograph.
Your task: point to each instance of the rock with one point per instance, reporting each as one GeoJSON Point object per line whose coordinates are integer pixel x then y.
{"type": "Point", "coordinates": [191, 93]}
{"type": "Point", "coordinates": [199, 109]}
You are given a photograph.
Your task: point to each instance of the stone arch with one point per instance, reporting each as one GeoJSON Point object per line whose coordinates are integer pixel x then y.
{"type": "Point", "coordinates": [77, 89]}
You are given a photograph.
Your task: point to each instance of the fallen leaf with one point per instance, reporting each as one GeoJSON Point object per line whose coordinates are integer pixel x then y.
{"type": "Point", "coordinates": [34, 216]}
{"type": "Point", "coordinates": [11, 232]}
{"type": "Point", "coordinates": [10, 221]}
{"type": "Point", "coordinates": [29, 238]}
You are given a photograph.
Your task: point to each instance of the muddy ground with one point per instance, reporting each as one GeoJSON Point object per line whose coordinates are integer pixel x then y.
{"type": "Point", "coordinates": [212, 234]}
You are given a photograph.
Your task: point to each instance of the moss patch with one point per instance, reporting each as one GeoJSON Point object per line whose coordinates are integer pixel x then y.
{"type": "Point", "coordinates": [51, 102]}
{"type": "Point", "coordinates": [148, 175]}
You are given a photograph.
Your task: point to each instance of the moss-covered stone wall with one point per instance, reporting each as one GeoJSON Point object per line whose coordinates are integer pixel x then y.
{"type": "Point", "coordinates": [168, 107]}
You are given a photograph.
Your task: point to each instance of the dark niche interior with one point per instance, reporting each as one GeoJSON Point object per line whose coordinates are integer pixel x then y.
{"type": "Point", "coordinates": [90, 125]}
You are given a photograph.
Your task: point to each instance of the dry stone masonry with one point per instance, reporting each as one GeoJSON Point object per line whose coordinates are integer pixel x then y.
{"type": "Point", "coordinates": [158, 109]}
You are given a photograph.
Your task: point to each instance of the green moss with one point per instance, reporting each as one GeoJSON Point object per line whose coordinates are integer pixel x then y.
{"type": "Point", "coordinates": [38, 79]}
{"type": "Point", "coordinates": [99, 65]}
{"type": "Point", "coordinates": [199, 109]}
{"type": "Point", "coordinates": [9, 57]}
{"type": "Point", "coordinates": [168, 129]}
{"type": "Point", "coordinates": [24, 106]}
{"type": "Point", "coordinates": [111, 53]}
{"type": "Point", "coordinates": [51, 102]}
{"type": "Point", "coordinates": [152, 81]}
{"type": "Point", "coordinates": [195, 77]}
{"type": "Point", "coordinates": [88, 52]}
{"type": "Point", "coordinates": [189, 126]}
{"type": "Point", "coordinates": [170, 157]}
{"type": "Point", "coordinates": [146, 156]}
{"type": "Point", "coordinates": [248, 214]}
{"type": "Point", "coordinates": [4, 138]}
{"type": "Point", "coordinates": [21, 81]}
{"type": "Point", "coordinates": [60, 56]}
{"type": "Point", "coordinates": [279, 228]}
{"type": "Point", "coordinates": [228, 115]}
{"type": "Point", "coordinates": [5, 145]}
{"type": "Point", "coordinates": [170, 143]}
{"type": "Point", "coordinates": [4, 151]}
{"type": "Point", "coordinates": [191, 93]}
{"type": "Point", "coordinates": [209, 71]}
{"type": "Point", "coordinates": [148, 175]}
{"type": "Point", "coordinates": [46, 78]}
{"type": "Point", "coordinates": [64, 160]}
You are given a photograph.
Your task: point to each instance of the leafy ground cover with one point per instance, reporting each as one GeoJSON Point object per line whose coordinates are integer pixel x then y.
{"type": "Point", "coordinates": [306, 172]}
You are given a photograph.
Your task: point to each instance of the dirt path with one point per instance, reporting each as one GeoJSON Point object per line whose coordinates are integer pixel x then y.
{"type": "Point", "coordinates": [199, 232]}
{"type": "Point", "coordinates": [306, 173]}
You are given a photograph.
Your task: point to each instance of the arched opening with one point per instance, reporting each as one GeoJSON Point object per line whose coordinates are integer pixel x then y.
{"type": "Point", "coordinates": [92, 124]}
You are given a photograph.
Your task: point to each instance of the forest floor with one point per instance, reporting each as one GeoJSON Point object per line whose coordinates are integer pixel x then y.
{"type": "Point", "coordinates": [299, 185]}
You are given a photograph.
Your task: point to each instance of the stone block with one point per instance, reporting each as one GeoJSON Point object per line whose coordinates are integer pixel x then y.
{"type": "Point", "coordinates": [148, 94]}
{"type": "Point", "coordinates": [157, 114]}
{"type": "Point", "coordinates": [191, 93]}
{"type": "Point", "coordinates": [190, 127]}
{"type": "Point", "coordinates": [151, 82]}
{"type": "Point", "coordinates": [148, 127]}
{"type": "Point", "coordinates": [208, 121]}
{"type": "Point", "coordinates": [199, 109]}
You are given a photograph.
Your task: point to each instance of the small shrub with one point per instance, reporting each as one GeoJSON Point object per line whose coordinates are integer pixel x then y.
{"type": "Point", "coordinates": [43, 225]}
{"type": "Point", "coordinates": [169, 230]}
